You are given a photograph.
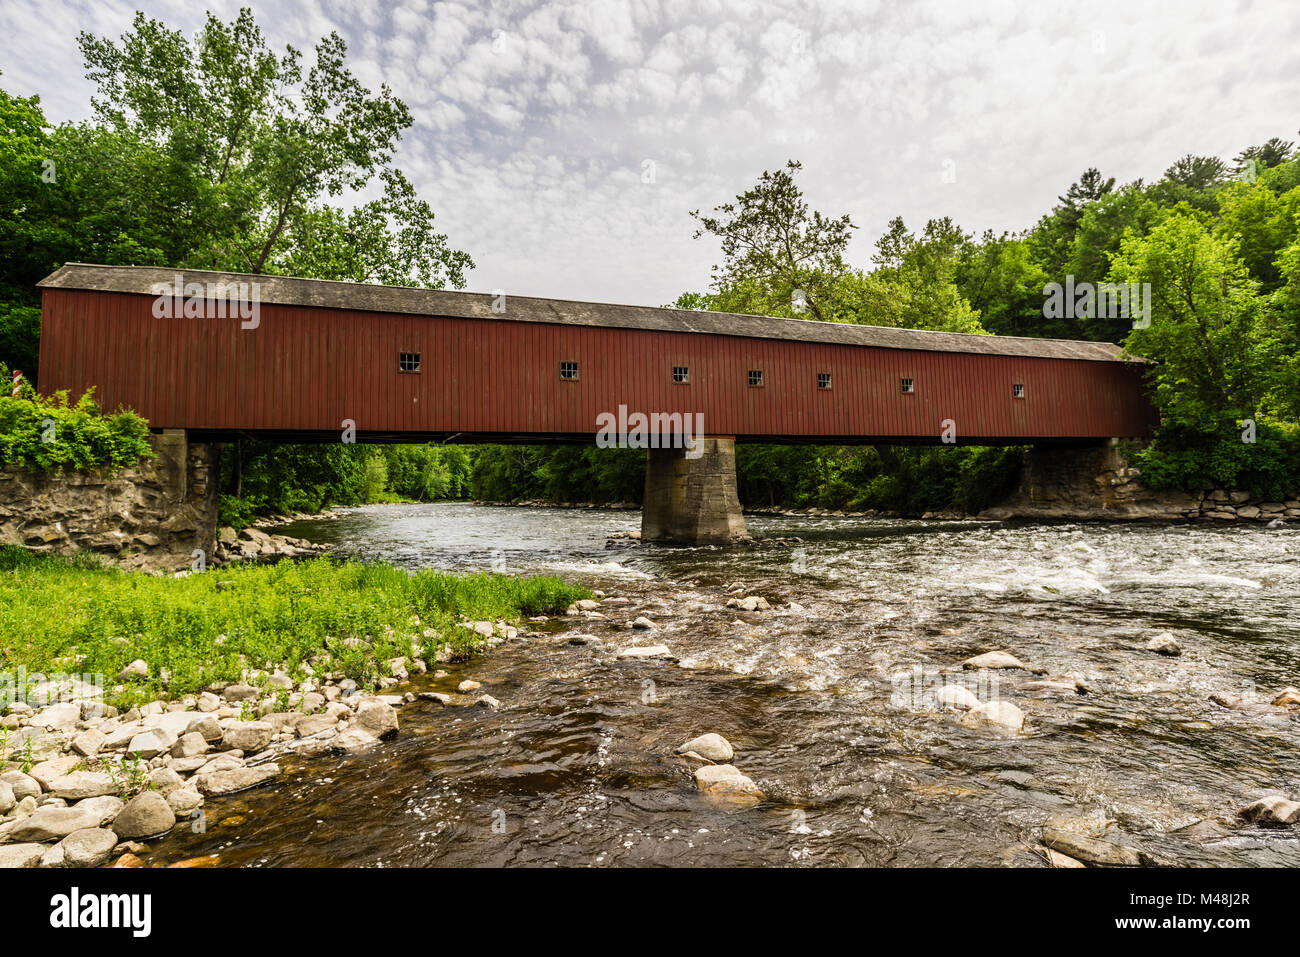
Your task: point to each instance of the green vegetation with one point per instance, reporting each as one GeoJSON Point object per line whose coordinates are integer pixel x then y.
{"type": "Point", "coordinates": [218, 152]}
{"type": "Point", "coordinates": [340, 616]}
{"type": "Point", "coordinates": [51, 432]}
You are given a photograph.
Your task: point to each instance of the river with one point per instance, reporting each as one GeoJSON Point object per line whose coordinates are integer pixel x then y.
{"type": "Point", "coordinates": [825, 702]}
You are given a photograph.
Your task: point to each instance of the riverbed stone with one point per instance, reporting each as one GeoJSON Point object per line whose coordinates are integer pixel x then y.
{"type": "Point", "coordinates": [189, 745]}
{"type": "Point", "coordinates": [1002, 714]}
{"type": "Point", "coordinates": [377, 717]}
{"type": "Point", "coordinates": [49, 823]}
{"type": "Point", "coordinates": [712, 746]}
{"type": "Point", "coordinates": [7, 799]}
{"type": "Point", "coordinates": [21, 855]}
{"type": "Point", "coordinates": [164, 780]}
{"type": "Point", "coordinates": [103, 808]}
{"type": "Point", "coordinates": [184, 802]}
{"type": "Point", "coordinates": [314, 724]}
{"type": "Point", "coordinates": [57, 717]}
{"type": "Point", "coordinates": [88, 847]}
{"type": "Point", "coordinates": [466, 686]}
{"type": "Point", "coordinates": [82, 784]}
{"type": "Point", "coordinates": [151, 742]}
{"type": "Point", "coordinates": [1091, 850]}
{"type": "Point", "coordinates": [247, 736]}
{"type": "Point", "coordinates": [1165, 644]}
{"type": "Point", "coordinates": [136, 669]}
{"type": "Point", "coordinates": [994, 660]}
{"type": "Point", "coordinates": [957, 696]}
{"type": "Point", "coordinates": [89, 742]}
{"type": "Point", "coordinates": [1057, 859]}
{"type": "Point", "coordinates": [1289, 699]}
{"type": "Point", "coordinates": [487, 701]}
{"type": "Point", "coordinates": [217, 783]}
{"type": "Point", "coordinates": [22, 784]}
{"type": "Point", "coordinates": [207, 702]}
{"type": "Point", "coordinates": [643, 623]}
{"type": "Point", "coordinates": [46, 771]}
{"type": "Point", "coordinates": [354, 740]}
{"type": "Point", "coordinates": [145, 815]}
{"type": "Point", "coordinates": [645, 652]}
{"type": "Point", "coordinates": [207, 726]}
{"type": "Point", "coordinates": [1273, 810]}
{"type": "Point", "coordinates": [726, 785]}
{"type": "Point", "coordinates": [239, 692]}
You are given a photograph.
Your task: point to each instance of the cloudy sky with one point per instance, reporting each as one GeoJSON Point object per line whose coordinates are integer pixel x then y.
{"type": "Point", "coordinates": [563, 145]}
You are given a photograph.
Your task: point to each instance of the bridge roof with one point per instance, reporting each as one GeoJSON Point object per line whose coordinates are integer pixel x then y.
{"type": "Point", "coordinates": [328, 294]}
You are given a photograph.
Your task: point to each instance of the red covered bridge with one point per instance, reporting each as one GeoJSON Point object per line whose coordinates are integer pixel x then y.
{"type": "Point", "coordinates": [306, 357]}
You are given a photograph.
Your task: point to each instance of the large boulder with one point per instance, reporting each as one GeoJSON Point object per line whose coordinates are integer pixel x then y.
{"type": "Point", "coordinates": [145, 815]}
{"type": "Point", "coordinates": [83, 784]}
{"type": "Point", "coordinates": [21, 855]}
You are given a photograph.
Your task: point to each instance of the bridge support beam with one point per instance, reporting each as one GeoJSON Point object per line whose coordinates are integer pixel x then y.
{"type": "Point", "coordinates": [693, 501]}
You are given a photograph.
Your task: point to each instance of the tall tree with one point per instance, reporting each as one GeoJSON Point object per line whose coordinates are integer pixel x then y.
{"type": "Point", "coordinates": [778, 258]}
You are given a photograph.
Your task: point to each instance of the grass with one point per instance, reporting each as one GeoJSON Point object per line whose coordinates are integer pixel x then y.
{"type": "Point", "coordinates": [77, 615]}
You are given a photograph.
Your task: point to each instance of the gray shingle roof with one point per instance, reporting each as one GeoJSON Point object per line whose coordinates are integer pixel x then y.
{"type": "Point", "coordinates": [284, 290]}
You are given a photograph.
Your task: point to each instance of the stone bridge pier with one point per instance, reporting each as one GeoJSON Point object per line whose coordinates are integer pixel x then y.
{"type": "Point", "coordinates": [692, 500]}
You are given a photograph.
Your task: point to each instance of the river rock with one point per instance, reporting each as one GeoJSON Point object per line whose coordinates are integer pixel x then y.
{"type": "Point", "coordinates": [88, 847]}
{"type": "Point", "coordinates": [21, 855]}
{"type": "Point", "coordinates": [136, 669]}
{"type": "Point", "coordinates": [994, 660]}
{"type": "Point", "coordinates": [239, 692]}
{"type": "Point", "coordinates": [1289, 699]}
{"type": "Point", "coordinates": [184, 802]}
{"type": "Point", "coordinates": [145, 815]}
{"type": "Point", "coordinates": [377, 717]}
{"type": "Point", "coordinates": [957, 696]}
{"type": "Point", "coordinates": [1057, 859]}
{"type": "Point", "coordinates": [466, 686]}
{"type": "Point", "coordinates": [725, 784]}
{"type": "Point", "coordinates": [164, 780]}
{"type": "Point", "coordinates": [1165, 644]}
{"type": "Point", "coordinates": [1068, 687]}
{"type": "Point", "coordinates": [216, 783]}
{"type": "Point", "coordinates": [57, 717]}
{"type": "Point", "coordinates": [207, 702]}
{"type": "Point", "coordinates": [89, 742]}
{"type": "Point", "coordinates": [191, 744]}
{"type": "Point", "coordinates": [645, 651]}
{"type": "Point", "coordinates": [643, 623]}
{"type": "Point", "coordinates": [22, 784]}
{"type": "Point", "coordinates": [104, 809]}
{"type": "Point", "coordinates": [7, 799]}
{"type": "Point", "coordinates": [46, 771]}
{"type": "Point", "coordinates": [151, 743]}
{"type": "Point", "coordinates": [1091, 850]}
{"type": "Point", "coordinates": [82, 784]}
{"type": "Point", "coordinates": [207, 726]}
{"type": "Point", "coordinates": [487, 701]}
{"type": "Point", "coordinates": [354, 740]}
{"type": "Point", "coordinates": [1273, 810]}
{"type": "Point", "coordinates": [712, 746]}
{"type": "Point", "coordinates": [749, 603]}
{"type": "Point", "coordinates": [50, 823]}
{"type": "Point", "coordinates": [314, 724]}
{"type": "Point", "coordinates": [246, 736]}
{"type": "Point", "coordinates": [1002, 714]}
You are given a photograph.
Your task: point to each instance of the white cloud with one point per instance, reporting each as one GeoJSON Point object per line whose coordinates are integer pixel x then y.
{"type": "Point", "coordinates": [533, 121]}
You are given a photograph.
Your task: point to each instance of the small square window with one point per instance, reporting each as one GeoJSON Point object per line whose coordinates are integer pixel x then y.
{"type": "Point", "coordinates": [823, 380]}
{"type": "Point", "coordinates": [755, 377]}
{"type": "Point", "coordinates": [569, 371]}
{"type": "Point", "coordinates": [1017, 391]}
{"type": "Point", "coordinates": [681, 374]}
{"type": "Point", "coordinates": [408, 362]}
{"type": "Point", "coordinates": [907, 385]}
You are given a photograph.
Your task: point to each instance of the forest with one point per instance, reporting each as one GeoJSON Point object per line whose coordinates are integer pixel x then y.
{"type": "Point", "coordinates": [217, 152]}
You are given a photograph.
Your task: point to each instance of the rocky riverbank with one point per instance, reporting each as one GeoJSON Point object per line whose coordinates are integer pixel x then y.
{"type": "Point", "coordinates": [81, 785]}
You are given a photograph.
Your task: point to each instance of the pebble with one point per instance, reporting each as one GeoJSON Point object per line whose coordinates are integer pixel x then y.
{"type": "Point", "coordinates": [1165, 644]}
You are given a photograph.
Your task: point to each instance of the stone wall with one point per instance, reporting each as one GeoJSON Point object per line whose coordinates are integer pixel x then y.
{"type": "Point", "coordinates": [151, 516]}
{"type": "Point", "coordinates": [1095, 482]}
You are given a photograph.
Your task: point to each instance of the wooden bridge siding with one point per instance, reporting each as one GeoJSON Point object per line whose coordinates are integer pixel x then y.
{"type": "Point", "coordinates": [308, 369]}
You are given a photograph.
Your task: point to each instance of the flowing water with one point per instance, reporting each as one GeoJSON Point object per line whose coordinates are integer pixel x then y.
{"type": "Point", "coordinates": [828, 702]}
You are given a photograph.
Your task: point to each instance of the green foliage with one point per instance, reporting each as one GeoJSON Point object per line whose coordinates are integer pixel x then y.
{"type": "Point", "coordinates": [51, 433]}
{"type": "Point", "coordinates": [210, 627]}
